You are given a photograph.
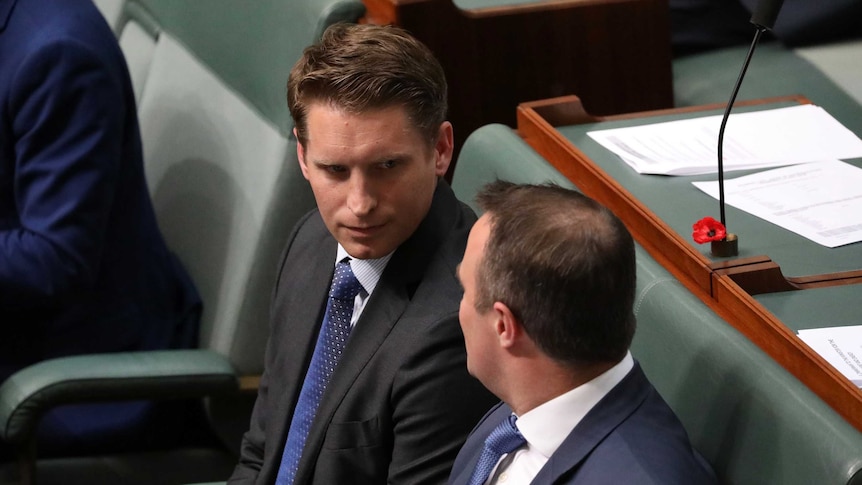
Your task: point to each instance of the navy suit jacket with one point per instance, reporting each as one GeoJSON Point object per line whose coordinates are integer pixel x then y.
{"type": "Point", "coordinates": [83, 266]}
{"type": "Point", "coordinates": [400, 403]}
{"type": "Point", "coordinates": [630, 436]}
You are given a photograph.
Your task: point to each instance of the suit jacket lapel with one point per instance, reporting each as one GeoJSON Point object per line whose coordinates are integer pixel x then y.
{"type": "Point", "coordinates": [402, 275]}
{"type": "Point", "coordinates": [610, 412]}
{"type": "Point", "coordinates": [305, 301]}
{"type": "Point", "coordinates": [378, 318]}
{"type": "Point", "coordinates": [380, 315]}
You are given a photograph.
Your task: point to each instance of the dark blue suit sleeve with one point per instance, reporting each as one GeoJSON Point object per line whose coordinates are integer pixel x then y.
{"type": "Point", "coordinates": [67, 128]}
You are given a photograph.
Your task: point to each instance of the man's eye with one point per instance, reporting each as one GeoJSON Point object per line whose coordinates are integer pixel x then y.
{"type": "Point", "coordinates": [389, 164]}
{"type": "Point", "coordinates": [335, 169]}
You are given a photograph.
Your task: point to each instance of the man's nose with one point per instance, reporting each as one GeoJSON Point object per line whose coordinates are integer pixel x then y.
{"type": "Point", "coordinates": [362, 198]}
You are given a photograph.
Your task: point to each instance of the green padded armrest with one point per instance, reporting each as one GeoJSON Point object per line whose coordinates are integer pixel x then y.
{"type": "Point", "coordinates": [29, 393]}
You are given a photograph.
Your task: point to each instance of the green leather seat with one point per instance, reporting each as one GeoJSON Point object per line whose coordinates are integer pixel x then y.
{"type": "Point", "coordinates": [752, 420]}
{"type": "Point", "coordinates": [774, 71]}
{"type": "Point", "coordinates": [494, 152]}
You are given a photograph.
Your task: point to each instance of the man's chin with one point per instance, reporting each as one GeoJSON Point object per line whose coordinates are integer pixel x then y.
{"type": "Point", "coordinates": [364, 250]}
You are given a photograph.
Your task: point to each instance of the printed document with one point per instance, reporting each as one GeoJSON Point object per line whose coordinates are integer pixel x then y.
{"type": "Point", "coordinates": [840, 346]}
{"type": "Point", "coordinates": [759, 139]}
{"type": "Point", "coordinates": [821, 201]}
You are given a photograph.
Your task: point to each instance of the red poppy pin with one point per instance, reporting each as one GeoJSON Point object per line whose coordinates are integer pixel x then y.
{"type": "Point", "coordinates": [708, 229]}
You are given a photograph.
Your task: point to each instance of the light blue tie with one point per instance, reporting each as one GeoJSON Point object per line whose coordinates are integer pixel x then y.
{"type": "Point", "coordinates": [504, 439]}
{"type": "Point", "coordinates": [330, 344]}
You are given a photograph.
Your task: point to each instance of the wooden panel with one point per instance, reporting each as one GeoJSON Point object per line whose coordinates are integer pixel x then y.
{"type": "Point", "coordinates": [614, 54]}
{"type": "Point", "coordinates": [754, 321]}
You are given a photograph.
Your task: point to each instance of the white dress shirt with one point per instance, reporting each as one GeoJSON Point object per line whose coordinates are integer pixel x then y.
{"type": "Point", "coordinates": [548, 425]}
{"type": "Point", "coordinates": [368, 272]}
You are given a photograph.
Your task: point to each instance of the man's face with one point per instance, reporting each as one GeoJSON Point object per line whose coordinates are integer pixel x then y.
{"type": "Point", "coordinates": [373, 175]}
{"type": "Point", "coordinates": [478, 328]}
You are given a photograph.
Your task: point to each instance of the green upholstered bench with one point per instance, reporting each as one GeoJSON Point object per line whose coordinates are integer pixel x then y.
{"type": "Point", "coordinates": [749, 417]}
{"type": "Point", "coordinates": [775, 70]}
{"type": "Point", "coordinates": [752, 420]}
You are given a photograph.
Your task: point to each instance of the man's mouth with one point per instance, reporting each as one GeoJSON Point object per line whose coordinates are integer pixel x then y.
{"type": "Point", "coordinates": [364, 231]}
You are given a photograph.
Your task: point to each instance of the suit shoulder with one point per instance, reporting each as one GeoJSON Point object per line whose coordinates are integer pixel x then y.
{"type": "Point", "coordinates": [655, 447]}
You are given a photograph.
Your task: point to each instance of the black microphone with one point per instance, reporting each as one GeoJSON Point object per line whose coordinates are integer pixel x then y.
{"type": "Point", "coordinates": [765, 13]}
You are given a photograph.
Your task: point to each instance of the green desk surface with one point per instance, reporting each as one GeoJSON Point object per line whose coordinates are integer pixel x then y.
{"type": "Point", "coordinates": [835, 306]}
{"type": "Point", "coordinates": [677, 202]}
{"type": "Point", "coordinates": [708, 78]}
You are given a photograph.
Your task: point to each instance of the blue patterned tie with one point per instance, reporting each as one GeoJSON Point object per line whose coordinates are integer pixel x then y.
{"type": "Point", "coordinates": [504, 439]}
{"type": "Point", "coordinates": [330, 344]}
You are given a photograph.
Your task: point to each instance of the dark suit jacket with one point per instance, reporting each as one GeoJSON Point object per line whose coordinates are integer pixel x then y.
{"type": "Point", "coordinates": [83, 267]}
{"type": "Point", "coordinates": [630, 436]}
{"type": "Point", "coordinates": [400, 402]}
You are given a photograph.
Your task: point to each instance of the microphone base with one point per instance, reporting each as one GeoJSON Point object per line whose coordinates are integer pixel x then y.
{"type": "Point", "coordinates": [727, 247]}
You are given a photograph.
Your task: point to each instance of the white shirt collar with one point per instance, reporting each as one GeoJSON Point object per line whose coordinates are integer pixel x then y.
{"type": "Point", "coordinates": [367, 271]}
{"type": "Point", "coordinates": [546, 426]}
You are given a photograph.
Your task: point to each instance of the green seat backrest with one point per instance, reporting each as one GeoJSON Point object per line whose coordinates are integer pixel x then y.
{"type": "Point", "coordinates": [220, 157]}
{"type": "Point", "coordinates": [251, 46]}
{"type": "Point", "coordinates": [493, 152]}
{"type": "Point", "coordinates": [749, 417]}
{"type": "Point", "coordinates": [754, 422]}
{"type": "Point", "coordinates": [774, 71]}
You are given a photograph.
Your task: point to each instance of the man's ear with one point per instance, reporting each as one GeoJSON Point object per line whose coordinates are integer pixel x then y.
{"type": "Point", "coordinates": [300, 154]}
{"type": "Point", "coordinates": [444, 148]}
{"type": "Point", "coordinates": [508, 328]}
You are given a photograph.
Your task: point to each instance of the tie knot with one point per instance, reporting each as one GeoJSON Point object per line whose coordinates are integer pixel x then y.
{"type": "Point", "coordinates": [505, 438]}
{"type": "Point", "coordinates": [345, 286]}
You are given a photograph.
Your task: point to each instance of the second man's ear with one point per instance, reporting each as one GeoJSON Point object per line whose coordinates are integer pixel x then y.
{"type": "Point", "coordinates": [444, 148]}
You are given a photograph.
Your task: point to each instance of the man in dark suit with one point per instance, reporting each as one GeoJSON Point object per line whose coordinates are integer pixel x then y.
{"type": "Point", "coordinates": [393, 402]}
{"type": "Point", "coordinates": [549, 283]}
{"type": "Point", "coordinates": [83, 266]}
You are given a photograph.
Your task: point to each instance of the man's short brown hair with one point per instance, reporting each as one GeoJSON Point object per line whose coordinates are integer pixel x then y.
{"type": "Point", "coordinates": [364, 67]}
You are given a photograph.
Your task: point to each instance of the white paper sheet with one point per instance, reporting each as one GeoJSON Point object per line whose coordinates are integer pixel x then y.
{"type": "Point", "coordinates": [821, 201]}
{"type": "Point", "coordinates": [840, 346]}
{"type": "Point", "coordinates": [760, 139]}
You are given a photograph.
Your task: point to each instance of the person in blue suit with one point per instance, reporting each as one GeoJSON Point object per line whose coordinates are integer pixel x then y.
{"type": "Point", "coordinates": [549, 285]}
{"type": "Point", "coordinates": [83, 266]}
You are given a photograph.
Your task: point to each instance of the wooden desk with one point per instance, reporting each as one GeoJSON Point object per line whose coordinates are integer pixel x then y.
{"type": "Point", "coordinates": [556, 129]}
{"type": "Point", "coordinates": [614, 54]}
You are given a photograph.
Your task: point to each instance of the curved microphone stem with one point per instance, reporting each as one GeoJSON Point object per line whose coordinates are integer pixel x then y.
{"type": "Point", "coordinates": [757, 34]}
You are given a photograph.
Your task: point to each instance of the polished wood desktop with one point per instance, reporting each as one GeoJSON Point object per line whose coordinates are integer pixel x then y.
{"type": "Point", "coordinates": [659, 212]}
{"type": "Point", "coordinates": [614, 54]}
